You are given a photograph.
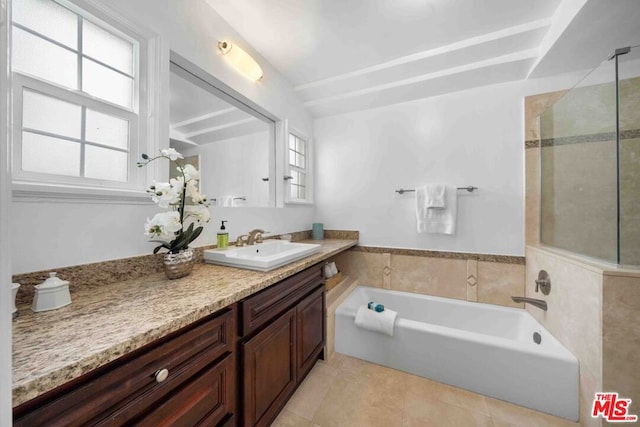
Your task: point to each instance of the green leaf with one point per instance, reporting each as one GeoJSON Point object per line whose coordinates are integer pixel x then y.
{"type": "Point", "coordinates": [144, 156]}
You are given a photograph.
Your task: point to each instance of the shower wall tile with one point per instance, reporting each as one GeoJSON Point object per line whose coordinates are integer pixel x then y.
{"type": "Point", "coordinates": [431, 276]}
{"type": "Point", "coordinates": [386, 271]}
{"type": "Point", "coordinates": [532, 196]}
{"type": "Point", "coordinates": [574, 316]}
{"type": "Point", "coordinates": [629, 200]}
{"type": "Point", "coordinates": [490, 282]}
{"type": "Point", "coordinates": [497, 283]}
{"type": "Point", "coordinates": [367, 267]}
{"type": "Point", "coordinates": [534, 106]}
{"type": "Point", "coordinates": [472, 280]}
{"type": "Point", "coordinates": [621, 337]}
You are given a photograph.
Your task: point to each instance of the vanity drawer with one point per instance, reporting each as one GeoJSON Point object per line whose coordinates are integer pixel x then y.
{"type": "Point", "coordinates": [208, 400]}
{"type": "Point", "coordinates": [258, 309]}
{"type": "Point", "coordinates": [129, 386]}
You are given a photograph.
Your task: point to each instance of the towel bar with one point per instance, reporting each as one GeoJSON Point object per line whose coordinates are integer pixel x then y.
{"type": "Point", "coordinates": [470, 189]}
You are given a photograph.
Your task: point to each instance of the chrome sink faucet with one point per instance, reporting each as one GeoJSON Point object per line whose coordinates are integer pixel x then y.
{"type": "Point", "coordinates": [541, 304]}
{"type": "Point", "coordinates": [255, 236]}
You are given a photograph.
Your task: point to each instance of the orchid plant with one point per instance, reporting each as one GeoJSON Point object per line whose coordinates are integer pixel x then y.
{"type": "Point", "coordinates": [168, 228]}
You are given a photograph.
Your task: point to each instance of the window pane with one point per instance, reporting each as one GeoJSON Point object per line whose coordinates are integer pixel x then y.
{"type": "Point", "coordinates": [300, 146]}
{"type": "Point", "coordinates": [107, 130]}
{"type": "Point", "coordinates": [300, 161]}
{"type": "Point", "coordinates": [302, 178]}
{"type": "Point", "coordinates": [292, 158]}
{"type": "Point", "coordinates": [50, 155]}
{"type": "Point", "coordinates": [294, 191]}
{"type": "Point", "coordinates": [36, 56]}
{"type": "Point", "coordinates": [52, 115]}
{"type": "Point", "coordinates": [106, 84]}
{"type": "Point", "coordinates": [106, 47]}
{"type": "Point", "coordinates": [102, 163]}
{"type": "Point", "coordinates": [49, 19]}
{"type": "Point", "coordinates": [292, 142]}
{"type": "Point", "coordinates": [302, 193]}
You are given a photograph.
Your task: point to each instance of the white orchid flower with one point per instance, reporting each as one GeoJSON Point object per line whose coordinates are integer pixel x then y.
{"type": "Point", "coordinates": [190, 172]}
{"type": "Point", "coordinates": [199, 213]}
{"type": "Point", "coordinates": [163, 225]}
{"type": "Point", "coordinates": [171, 153]}
{"type": "Point", "coordinates": [199, 199]}
{"type": "Point", "coordinates": [164, 194]}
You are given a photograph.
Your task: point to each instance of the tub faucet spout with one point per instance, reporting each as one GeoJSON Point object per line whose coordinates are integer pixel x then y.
{"type": "Point", "coordinates": [541, 304]}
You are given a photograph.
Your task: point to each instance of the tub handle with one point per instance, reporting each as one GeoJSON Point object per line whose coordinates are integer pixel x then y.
{"type": "Point", "coordinates": [543, 283]}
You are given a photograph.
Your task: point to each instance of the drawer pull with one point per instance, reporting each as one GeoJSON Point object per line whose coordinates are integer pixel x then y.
{"type": "Point", "coordinates": [161, 375]}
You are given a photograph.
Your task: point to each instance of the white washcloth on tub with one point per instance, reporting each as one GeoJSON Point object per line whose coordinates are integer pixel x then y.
{"type": "Point", "coordinates": [378, 322]}
{"type": "Point", "coordinates": [441, 221]}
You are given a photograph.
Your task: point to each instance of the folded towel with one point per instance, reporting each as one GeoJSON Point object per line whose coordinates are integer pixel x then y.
{"type": "Point", "coordinates": [225, 201]}
{"type": "Point", "coordinates": [378, 322]}
{"type": "Point", "coordinates": [437, 220]}
{"type": "Point", "coordinates": [435, 196]}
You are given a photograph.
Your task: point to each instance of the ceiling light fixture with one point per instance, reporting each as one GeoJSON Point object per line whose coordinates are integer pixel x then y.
{"type": "Point", "coordinates": [241, 60]}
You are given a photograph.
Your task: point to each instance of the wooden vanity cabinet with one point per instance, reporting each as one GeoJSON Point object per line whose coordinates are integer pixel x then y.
{"type": "Point", "coordinates": [284, 335]}
{"type": "Point", "coordinates": [186, 378]}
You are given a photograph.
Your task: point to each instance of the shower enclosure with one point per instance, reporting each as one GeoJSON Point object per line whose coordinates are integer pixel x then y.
{"type": "Point", "coordinates": [590, 164]}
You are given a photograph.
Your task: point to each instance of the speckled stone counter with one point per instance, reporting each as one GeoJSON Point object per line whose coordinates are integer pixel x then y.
{"type": "Point", "coordinates": [106, 322]}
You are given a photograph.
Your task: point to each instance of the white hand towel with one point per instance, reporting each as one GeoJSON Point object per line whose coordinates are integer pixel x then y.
{"type": "Point", "coordinates": [371, 320]}
{"type": "Point", "coordinates": [226, 201]}
{"type": "Point", "coordinates": [441, 221]}
{"type": "Point", "coordinates": [435, 196]}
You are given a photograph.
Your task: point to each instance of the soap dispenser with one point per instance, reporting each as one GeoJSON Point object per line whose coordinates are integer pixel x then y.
{"type": "Point", "coordinates": [223, 237]}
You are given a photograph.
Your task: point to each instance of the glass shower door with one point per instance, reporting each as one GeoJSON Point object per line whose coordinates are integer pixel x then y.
{"type": "Point", "coordinates": [578, 168]}
{"type": "Point", "coordinates": [629, 160]}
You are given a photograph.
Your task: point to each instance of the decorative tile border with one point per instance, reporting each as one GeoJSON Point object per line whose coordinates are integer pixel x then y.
{"type": "Point", "coordinates": [505, 259]}
{"type": "Point", "coordinates": [581, 139]}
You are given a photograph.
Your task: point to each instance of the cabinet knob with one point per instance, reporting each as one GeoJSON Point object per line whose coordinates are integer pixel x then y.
{"type": "Point", "coordinates": [161, 375]}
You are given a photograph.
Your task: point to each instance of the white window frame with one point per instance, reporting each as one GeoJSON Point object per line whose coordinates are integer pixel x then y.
{"type": "Point", "coordinates": [308, 170]}
{"type": "Point", "coordinates": [142, 125]}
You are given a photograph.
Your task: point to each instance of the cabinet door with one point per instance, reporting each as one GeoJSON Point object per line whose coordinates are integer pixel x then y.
{"type": "Point", "coordinates": [207, 400]}
{"type": "Point", "coordinates": [310, 330]}
{"type": "Point", "coordinates": [268, 362]}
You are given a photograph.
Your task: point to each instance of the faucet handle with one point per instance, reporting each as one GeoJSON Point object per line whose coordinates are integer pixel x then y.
{"type": "Point", "coordinates": [260, 236]}
{"type": "Point", "coordinates": [543, 283]}
{"type": "Point", "coordinates": [241, 240]}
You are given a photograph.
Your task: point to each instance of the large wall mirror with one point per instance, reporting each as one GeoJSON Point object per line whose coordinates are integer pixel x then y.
{"type": "Point", "coordinates": [231, 143]}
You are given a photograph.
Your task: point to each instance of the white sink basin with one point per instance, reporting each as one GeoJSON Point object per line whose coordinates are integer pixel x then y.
{"type": "Point", "coordinates": [262, 256]}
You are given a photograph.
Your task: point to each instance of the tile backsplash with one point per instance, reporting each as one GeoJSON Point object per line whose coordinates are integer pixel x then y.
{"type": "Point", "coordinates": [473, 277]}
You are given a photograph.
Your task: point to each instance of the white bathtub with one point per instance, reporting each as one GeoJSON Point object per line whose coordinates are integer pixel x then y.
{"type": "Point", "coordinates": [484, 348]}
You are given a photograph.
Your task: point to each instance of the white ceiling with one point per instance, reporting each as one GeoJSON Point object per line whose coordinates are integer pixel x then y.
{"type": "Point", "coordinates": [198, 117]}
{"type": "Point", "coordinates": [346, 55]}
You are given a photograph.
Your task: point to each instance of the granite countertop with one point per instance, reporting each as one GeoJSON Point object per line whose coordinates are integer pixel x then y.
{"type": "Point", "coordinates": [105, 322]}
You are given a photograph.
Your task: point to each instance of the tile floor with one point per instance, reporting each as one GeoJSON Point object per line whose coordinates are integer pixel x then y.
{"type": "Point", "coordinates": [346, 392]}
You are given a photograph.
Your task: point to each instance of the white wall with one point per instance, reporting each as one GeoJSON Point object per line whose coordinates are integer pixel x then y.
{"type": "Point", "coordinates": [50, 234]}
{"type": "Point", "coordinates": [235, 167]}
{"type": "Point", "coordinates": [473, 137]}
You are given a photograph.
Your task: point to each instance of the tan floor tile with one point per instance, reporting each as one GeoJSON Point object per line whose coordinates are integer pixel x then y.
{"type": "Point", "coordinates": [508, 414]}
{"type": "Point", "coordinates": [308, 397]}
{"type": "Point", "coordinates": [426, 413]}
{"type": "Point", "coordinates": [429, 390]}
{"type": "Point", "coordinates": [372, 416]}
{"type": "Point", "coordinates": [342, 402]}
{"type": "Point", "coordinates": [289, 419]}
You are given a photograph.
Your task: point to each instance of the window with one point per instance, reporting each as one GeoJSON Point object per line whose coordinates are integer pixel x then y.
{"type": "Point", "coordinates": [75, 90]}
{"type": "Point", "coordinates": [298, 178]}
